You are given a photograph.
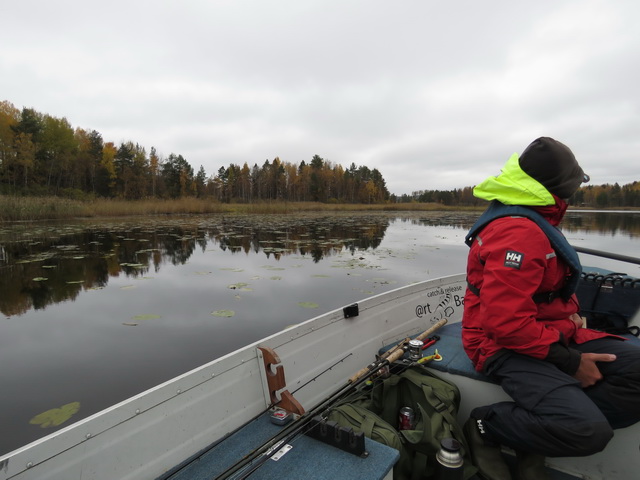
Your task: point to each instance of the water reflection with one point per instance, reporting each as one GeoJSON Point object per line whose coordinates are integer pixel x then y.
{"type": "Point", "coordinates": [604, 222]}
{"type": "Point", "coordinates": [54, 264]}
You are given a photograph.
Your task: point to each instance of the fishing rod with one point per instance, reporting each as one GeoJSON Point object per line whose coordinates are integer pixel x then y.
{"type": "Point", "coordinates": [293, 429]}
{"type": "Point", "coordinates": [188, 462]}
{"type": "Point", "coordinates": [612, 256]}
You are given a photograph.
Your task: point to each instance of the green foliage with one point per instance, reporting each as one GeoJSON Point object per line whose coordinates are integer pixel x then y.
{"type": "Point", "coordinates": [56, 416]}
{"type": "Point", "coordinates": [43, 154]}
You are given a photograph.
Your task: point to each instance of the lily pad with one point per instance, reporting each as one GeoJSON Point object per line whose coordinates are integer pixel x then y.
{"type": "Point", "coordinates": [147, 316]}
{"type": "Point", "coordinates": [223, 313]}
{"type": "Point", "coordinates": [308, 304]}
{"type": "Point", "coordinates": [55, 416]}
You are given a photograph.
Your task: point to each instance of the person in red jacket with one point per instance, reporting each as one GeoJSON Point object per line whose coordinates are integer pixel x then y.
{"type": "Point", "coordinates": [571, 386]}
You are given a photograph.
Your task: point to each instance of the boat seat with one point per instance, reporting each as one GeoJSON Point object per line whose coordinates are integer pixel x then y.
{"type": "Point", "coordinates": [308, 458]}
{"type": "Point", "coordinates": [454, 359]}
{"type": "Point", "coordinates": [478, 389]}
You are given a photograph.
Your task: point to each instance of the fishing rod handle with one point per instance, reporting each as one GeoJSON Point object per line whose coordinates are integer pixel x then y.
{"type": "Point", "coordinates": [396, 354]}
{"type": "Point", "coordinates": [434, 327]}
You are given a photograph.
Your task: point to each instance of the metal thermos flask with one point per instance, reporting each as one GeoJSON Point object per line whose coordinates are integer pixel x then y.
{"type": "Point", "coordinates": [450, 461]}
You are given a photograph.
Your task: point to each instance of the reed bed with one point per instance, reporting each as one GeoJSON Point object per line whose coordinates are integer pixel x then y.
{"type": "Point", "coordinates": [15, 208]}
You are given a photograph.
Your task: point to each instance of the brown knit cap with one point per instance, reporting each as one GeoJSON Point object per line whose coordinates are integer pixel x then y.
{"type": "Point", "coordinates": [553, 164]}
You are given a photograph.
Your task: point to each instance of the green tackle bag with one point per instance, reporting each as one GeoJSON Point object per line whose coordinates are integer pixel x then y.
{"type": "Point", "coordinates": [374, 411]}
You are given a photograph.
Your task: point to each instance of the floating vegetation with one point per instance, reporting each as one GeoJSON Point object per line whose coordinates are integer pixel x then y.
{"type": "Point", "coordinates": [383, 281]}
{"type": "Point", "coordinates": [223, 313]}
{"type": "Point", "coordinates": [67, 248]}
{"type": "Point", "coordinates": [55, 416]}
{"type": "Point", "coordinates": [353, 263]}
{"type": "Point", "coordinates": [148, 250]}
{"type": "Point", "coordinates": [274, 250]}
{"type": "Point", "coordinates": [107, 253]}
{"type": "Point", "coordinates": [308, 304]}
{"type": "Point", "coordinates": [364, 292]}
{"type": "Point", "coordinates": [146, 316]}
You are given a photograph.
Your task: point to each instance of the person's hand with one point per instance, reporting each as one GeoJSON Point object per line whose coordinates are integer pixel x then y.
{"type": "Point", "coordinates": [588, 373]}
{"type": "Point", "coordinates": [577, 319]}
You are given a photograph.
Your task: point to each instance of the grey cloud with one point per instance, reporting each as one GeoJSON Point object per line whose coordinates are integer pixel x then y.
{"type": "Point", "coordinates": [435, 95]}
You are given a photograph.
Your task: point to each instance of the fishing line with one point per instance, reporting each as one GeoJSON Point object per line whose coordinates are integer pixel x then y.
{"type": "Point", "coordinates": [321, 373]}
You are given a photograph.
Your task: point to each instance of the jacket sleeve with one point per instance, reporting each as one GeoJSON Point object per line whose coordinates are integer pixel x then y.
{"type": "Point", "coordinates": [565, 358]}
{"type": "Point", "coordinates": [515, 253]}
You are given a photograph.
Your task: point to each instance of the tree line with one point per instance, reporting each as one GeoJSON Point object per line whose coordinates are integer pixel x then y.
{"type": "Point", "coordinates": [44, 155]}
{"type": "Point", "coordinates": [595, 196]}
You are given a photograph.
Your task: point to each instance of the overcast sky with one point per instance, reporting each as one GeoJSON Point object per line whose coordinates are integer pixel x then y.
{"type": "Point", "coordinates": [434, 94]}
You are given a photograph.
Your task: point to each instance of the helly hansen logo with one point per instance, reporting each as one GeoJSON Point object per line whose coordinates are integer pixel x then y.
{"type": "Point", "coordinates": [513, 259]}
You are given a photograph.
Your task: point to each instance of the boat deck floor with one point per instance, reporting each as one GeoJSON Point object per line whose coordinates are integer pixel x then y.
{"type": "Point", "coordinates": [308, 458]}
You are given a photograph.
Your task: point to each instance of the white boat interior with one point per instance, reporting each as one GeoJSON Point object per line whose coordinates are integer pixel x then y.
{"type": "Point", "coordinates": [199, 424]}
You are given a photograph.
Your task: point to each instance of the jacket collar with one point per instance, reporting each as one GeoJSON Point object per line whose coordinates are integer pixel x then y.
{"type": "Point", "coordinates": [553, 213]}
{"type": "Point", "coordinates": [514, 187]}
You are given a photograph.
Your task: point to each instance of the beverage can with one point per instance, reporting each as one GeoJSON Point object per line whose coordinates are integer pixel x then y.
{"type": "Point", "coordinates": [406, 419]}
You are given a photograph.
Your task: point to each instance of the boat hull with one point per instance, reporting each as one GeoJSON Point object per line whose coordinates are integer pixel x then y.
{"type": "Point", "coordinates": [150, 434]}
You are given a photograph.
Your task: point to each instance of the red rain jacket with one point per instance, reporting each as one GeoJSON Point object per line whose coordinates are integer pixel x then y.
{"type": "Point", "coordinates": [504, 315]}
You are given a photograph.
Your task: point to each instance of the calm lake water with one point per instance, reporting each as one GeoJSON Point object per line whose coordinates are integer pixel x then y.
{"type": "Point", "coordinates": [95, 312]}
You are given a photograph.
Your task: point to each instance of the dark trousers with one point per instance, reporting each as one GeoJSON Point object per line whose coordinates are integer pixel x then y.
{"type": "Point", "coordinates": [551, 414]}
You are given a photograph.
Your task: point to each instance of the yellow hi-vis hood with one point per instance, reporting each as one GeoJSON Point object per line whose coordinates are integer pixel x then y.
{"type": "Point", "coordinates": [514, 187]}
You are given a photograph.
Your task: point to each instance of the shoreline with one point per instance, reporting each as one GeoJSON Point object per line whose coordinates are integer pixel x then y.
{"type": "Point", "coordinates": [17, 209]}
